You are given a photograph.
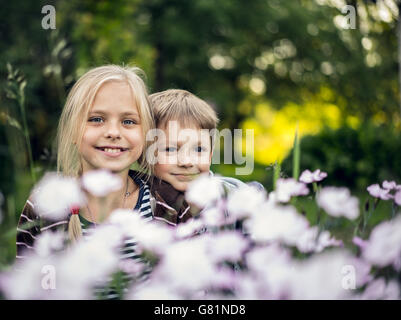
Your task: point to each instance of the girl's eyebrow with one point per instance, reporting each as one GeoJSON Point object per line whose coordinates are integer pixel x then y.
{"type": "Point", "coordinates": [127, 113]}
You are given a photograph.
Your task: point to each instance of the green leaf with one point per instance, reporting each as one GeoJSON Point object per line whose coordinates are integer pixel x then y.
{"type": "Point", "coordinates": [276, 173]}
{"type": "Point", "coordinates": [12, 122]}
{"type": "Point", "coordinates": [296, 156]}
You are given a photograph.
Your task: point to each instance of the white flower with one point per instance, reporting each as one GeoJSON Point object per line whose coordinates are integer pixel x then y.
{"type": "Point", "coordinates": [128, 221]}
{"type": "Point", "coordinates": [25, 280]}
{"type": "Point", "coordinates": [338, 202]}
{"type": "Point", "coordinates": [72, 274]}
{"type": "Point", "coordinates": [321, 277]}
{"type": "Point", "coordinates": [227, 246]}
{"type": "Point", "coordinates": [152, 291]}
{"type": "Point", "coordinates": [250, 286]}
{"type": "Point", "coordinates": [54, 196]}
{"type": "Point", "coordinates": [362, 271]}
{"type": "Point", "coordinates": [89, 263]}
{"type": "Point", "coordinates": [270, 268]}
{"type": "Point", "coordinates": [276, 223]}
{"type": "Point", "coordinates": [49, 242]}
{"type": "Point", "coordinates": [326, 240]}
{"type": "Point", "coordinates": [101, 182]}
{"type": "Point", "coordinates": [189, 228]}
{"type": "Point", "coordinates": [312, 241]}
{"type": "Point", "coordinates": [378, 289]}
{"type": "Point", "coordinates": [245, 201]}
{"type": "Point", "coordinates": [308, 177]}
{"type": "Point", "coordinates": [149, 235]}
{"type": "Point", "coordinates": [154, 237]}
{"type": "Point", "coordinates": [213, 216]}
{"type": "Point", "coordinates": [186, 266]}
{"type": "Point", "coordinates": [204, 191]}
{"type": "Point", "coordinates": [287, 188]}
{"type": "Point", "coordinates": [384, 244]}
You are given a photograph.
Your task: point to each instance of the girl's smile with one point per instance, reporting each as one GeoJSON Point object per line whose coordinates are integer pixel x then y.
{"type": "Point", "coordinates": [112, 151]}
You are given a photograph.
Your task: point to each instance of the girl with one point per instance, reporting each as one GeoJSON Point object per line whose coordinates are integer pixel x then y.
{"type": "Point", "coordinates": [103, 126]}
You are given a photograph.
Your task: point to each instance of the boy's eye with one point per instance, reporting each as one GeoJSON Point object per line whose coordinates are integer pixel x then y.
{"type": "Point", "coordinates": [95, 119]}
{"type": "Point", "coordinates": [200, 149]}
{"type": "Point", "coordinates": [171, 149]}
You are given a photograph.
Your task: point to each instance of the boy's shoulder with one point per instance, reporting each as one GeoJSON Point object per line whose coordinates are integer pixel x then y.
{"type": "Point", "coordinates": [233, 183]}
{"type": "Point", "coordinates": [168, 204]}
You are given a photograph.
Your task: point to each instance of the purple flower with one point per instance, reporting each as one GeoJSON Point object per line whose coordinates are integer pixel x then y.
{"type": "Point", "coordinates": [308, 177]}
{"type": "Point", "coordinates": [359, 242]}
{"type": "Point", "coordinates": [377, 192]}
{"type": "Point", "coordinates": [389, 185]}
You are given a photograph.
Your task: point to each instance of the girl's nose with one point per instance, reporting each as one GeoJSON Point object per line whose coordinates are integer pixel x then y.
{"type": "Point", "coordinates": [113, 131]}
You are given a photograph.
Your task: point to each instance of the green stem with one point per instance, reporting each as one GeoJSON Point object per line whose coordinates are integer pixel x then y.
{"type": "Point", "coordinates": [276, 173]}
{"type": "Point", "coordinates": [296, 157]}
{"type": "Point", "coordinates": [21, 104]}
{"type": "Point", "coordinates": [393, 210]}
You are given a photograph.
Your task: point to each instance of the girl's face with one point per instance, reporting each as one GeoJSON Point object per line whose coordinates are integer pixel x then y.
{"type": "Point", "coordinates": [113, 137]}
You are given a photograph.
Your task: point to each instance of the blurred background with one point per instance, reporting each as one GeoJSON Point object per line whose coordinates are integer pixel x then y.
{"type": "Point", "coordinates": [266, 65]}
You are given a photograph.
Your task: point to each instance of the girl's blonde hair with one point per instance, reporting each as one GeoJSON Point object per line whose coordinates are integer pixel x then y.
{"type": "Point", "coordinates": [76, 110]}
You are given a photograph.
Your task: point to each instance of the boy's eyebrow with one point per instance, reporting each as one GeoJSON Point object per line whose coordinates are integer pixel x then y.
{"type": "Point", "coordinates": [179, 143]}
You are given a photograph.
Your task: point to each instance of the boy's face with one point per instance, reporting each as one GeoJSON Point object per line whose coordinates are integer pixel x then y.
{"type": "Point", "coordinates": [183, 154]}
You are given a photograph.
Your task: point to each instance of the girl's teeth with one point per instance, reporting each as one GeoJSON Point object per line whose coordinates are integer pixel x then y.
{"type": "Point", "coordinates": [112, 150]}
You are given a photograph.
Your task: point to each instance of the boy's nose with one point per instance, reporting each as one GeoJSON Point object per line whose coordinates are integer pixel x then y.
{"type": "Point", "coordinates": [185, 159]}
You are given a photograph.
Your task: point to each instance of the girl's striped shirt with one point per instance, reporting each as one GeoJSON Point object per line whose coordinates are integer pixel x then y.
{"type": "Point", "coordinates": [26, 238]}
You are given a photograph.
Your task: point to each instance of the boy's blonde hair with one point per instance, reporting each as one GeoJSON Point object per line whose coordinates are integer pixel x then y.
{"type": "Point", "coordinates": [75, 113]}
{"type": "Point", "coordinates": [184, 107]}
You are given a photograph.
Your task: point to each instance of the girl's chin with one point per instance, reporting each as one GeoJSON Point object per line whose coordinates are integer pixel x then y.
{"type": "Point", "coordinates": [114, 169]}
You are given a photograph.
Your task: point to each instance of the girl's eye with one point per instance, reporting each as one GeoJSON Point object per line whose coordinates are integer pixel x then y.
{"type": "Point", "coordinates": [128, 122]}
{"type": "Point", "coordinates": [95, 119]}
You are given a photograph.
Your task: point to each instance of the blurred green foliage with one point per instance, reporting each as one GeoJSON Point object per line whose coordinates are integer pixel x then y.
{"type": "Point", "coordinates": [355, 158]}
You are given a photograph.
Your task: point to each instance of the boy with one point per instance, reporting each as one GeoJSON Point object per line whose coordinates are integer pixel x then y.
{"type": "Point", "coordinates": [185, 126]}
{"type": "Point", "coordinates": [186, 123]}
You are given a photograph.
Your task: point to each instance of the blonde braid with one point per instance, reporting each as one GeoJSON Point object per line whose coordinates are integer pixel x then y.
{"type": "Point", "coordinates": [74, 228]}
